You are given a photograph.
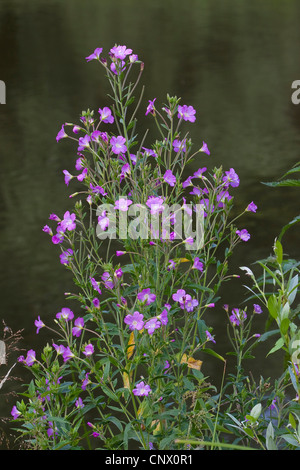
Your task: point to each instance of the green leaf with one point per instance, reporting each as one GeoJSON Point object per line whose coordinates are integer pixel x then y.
{"type": "Point", "coordinates": [287, 226]}
{"type": "Point", "coordinates": [129, 102]}
{"type": "Point", "coordinates": [202, 329]}
{"type": "Point", "coordinates": [278, 251]}
{"type": "Point", "coordinates": [278, 345]}
{"type": "Point", "coordinates": [256, 411]}
{"type": "Point", "coordinates": [292, 421]}
{"type": "Point", "coordinates": [116, 421]}
{"type": "Point", "coordinates": [290, 439]}
{"type": "Point", "coordinates": [287, 182]}
{"type": "Point", "coordinates": [294, 169]}
{"type": "Point", "coordinates": [270, 272]}
{"type": "Point", "coordinates": [267, 335]}
{"type": "Point", "coordinates": [292, 289]}
{"type": "Point", "coordinates": [234, 419]}
{"type": "Point", "coordinates": [110, 394]}
{"type": "Point", "coordinates": [224, 445]}
{"type": "Point", "coordinates": [270, 443]}
{"type": "Point", "coordinates": [248, 431]}
{"type": "Point", "coordinates": [293, 379]}
{"type": "Point", "coordinates": [213, 353]}
{"type": "Point", "coordinates": [284, 325]}
{"type": "Point", "coordinates": [273, 306]}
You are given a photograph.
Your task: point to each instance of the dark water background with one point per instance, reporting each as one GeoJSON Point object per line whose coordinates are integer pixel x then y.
{"type": "Point", "coordinates": [233, 60]}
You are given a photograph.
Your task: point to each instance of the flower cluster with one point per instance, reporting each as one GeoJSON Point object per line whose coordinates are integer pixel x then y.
{"type": "Point", "coordinates": [144, 320]}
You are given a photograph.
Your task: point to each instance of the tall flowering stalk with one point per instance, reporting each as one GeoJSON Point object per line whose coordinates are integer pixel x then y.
{"type": "Point", "coordinates": [124, 365]}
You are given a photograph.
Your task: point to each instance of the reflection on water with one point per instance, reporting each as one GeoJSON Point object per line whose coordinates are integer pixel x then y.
{"type": "Point", "coordinates": [234, 61]}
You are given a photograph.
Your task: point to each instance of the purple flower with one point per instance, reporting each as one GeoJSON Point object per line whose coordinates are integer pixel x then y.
{"type": "Point", "coordinates": [135, 321]}
{"type": "Point", "coordinates": [231, 178]}
{"type": "Point", "coordinates": [204, 148]}
{"type": "Point", "coordinates": [251, 207]}
{"type": "Point", "coordinates": [83, 142]}
{"type": "Point", "coordinates": [209, 336]}
{"type": "Point", "coordinates": [133, 58]}
{"type": "Point", "coordinates": [179, 146]}
{"type": "Point", "coordinates": [88, 350]}
{"type": "Point", "coordinates": [79, 403]}
{"type": "Point", "coordinates": [189, 240]}
{"type": "Point", "coordinates": [120, 52]}
{"type": "Point", "coordinates": [106, 115]}
{"type": "Point", "coordinates": [82, 175]}
{"type": "Point", "coordinates": [54, 217]}
{"type": "Point", "coordinates": [95, 285]}
{"type": "Point", "coordinates": [108, 282]}
{"type": "Point", "coordinates": [189, 304]}
{"type": "Point", "coordinates": [199, 173]}
{"type": "Point", "coordinates": [222, 197]}
{"type": "Point", "coordinates": [146, 296]}
{"type": "Point", "coordinates": [85, 381]}
{"type": "Point", "coordinates": [96, 302]}
{"type": "Point", "coordinates": [197, 264]}
{"type": "Point", "coordinates": [187, 113]}
{"type": "Point", "coordinates": [68, 177]}
{"type": "Point", "coordinates": [30, 358]}
{"type": "Point", "coordinates": [65, 256]}
{"type": "Point", "coordinates": [120, 253]}
{"type": "Point", "coordinates": [47, 229]}
{"type": "Point", "coordinates": [257, 308]}
{"type": "Point", "coordinates": [51, 430]}
{"type": "Point", "coordinates": [273, 404]}
{"type": "Point", "coordinates": [243, 234]}
{"type": "Point", "coordinates": [149, 152]}
{"type": "Point", "coordinates": [15, 412]}
{"type": "Point", "coordinates": [98, 190]}
{"type": "Point", "coordinates": [118, 273]}
{"type": "Point", "coordinates": [100, 137]}
{"type": "Point", "coordinates": [171, 265]}
{"type": "Point", "coordinates": [169, 178]}
{"type": "Point", "coordinates": [96, 136]}
{"type": "Point", "coordinates": [124, 171]}
{"type": "Point", "coordinates": [76, 129]}
{"type": "Point", "coordinates": [67, 354]}
{"type": "Point", "coordinates": [61, 134]}
{"type": "Point", "coordinates": [118, 145]}
{"type": "Point", "coordinates": [103, 221]}
{"type": "Point", "coordinates": [150, 107]}
{"type": "Point", "coordinates": [196, 192]}
{"type": "Point", "coordinates": [65, 314]}
{"type": "Point", "coordinates": [179, 296]}
{"type": "Point", "coordinates": [152, 325]}
{"type": "Point", "coordinates": [122, 204]}
{"type": "Point", "coordinates": [77, 329]}
{"type": "Point", "coordinates": [208, 207]}
{"type": "Point", "coordinates": [68, 222]}
{"type": "Point", "coordinates": [95, 54]}
{"type": "Point", "coordinates": [237, 316]}
{"type": "Point", "coordinates": [39, 324]}
{"type": "Point", "coordinates": [57, 238]}
{"type": "Point", "coordinates": [59, 348]}
{"type": "Point", "coordinates": [141, 390]}
{"type": "Point", "coordinates": [187, 182]}
{"type": "Point", "coordinates": [163, 317]}
{"type": "Point", "coordinates": [155, 204]}
{"type": "Point", "coordinates": [119, 68]}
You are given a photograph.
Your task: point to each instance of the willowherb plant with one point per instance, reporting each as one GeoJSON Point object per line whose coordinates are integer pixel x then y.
{"type": "Point", "coordinates": [124, 369]}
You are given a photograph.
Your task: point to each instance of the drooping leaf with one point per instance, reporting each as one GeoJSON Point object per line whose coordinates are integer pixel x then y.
{"type": "Point", "coordinates": [191, 362]}
{"type": "Point", "coordinates": [278, 345]}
